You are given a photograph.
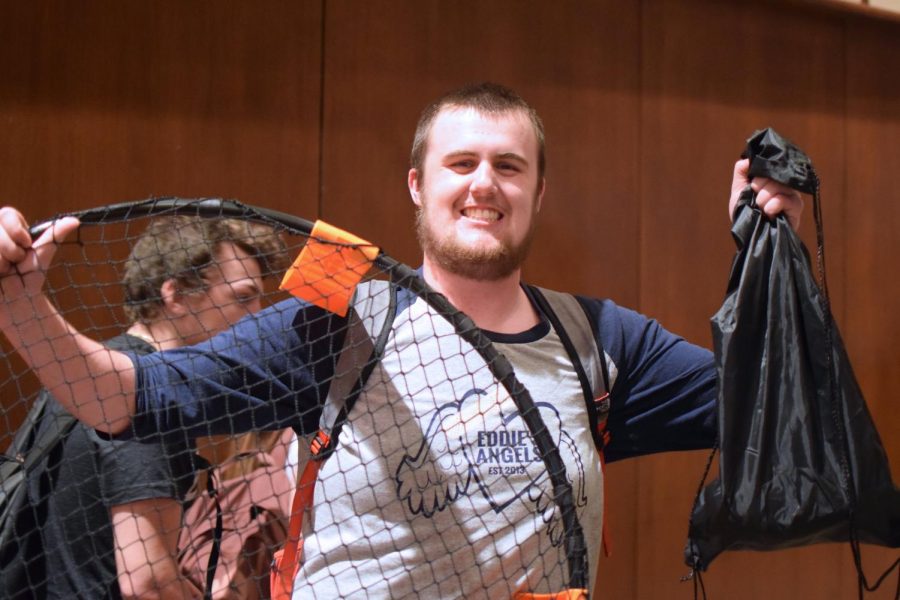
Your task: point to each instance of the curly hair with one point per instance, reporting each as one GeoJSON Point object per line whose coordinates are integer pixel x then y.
{"type": "Point", "coordinates": [182, 248]}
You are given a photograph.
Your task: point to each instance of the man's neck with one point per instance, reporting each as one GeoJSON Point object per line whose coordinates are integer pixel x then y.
{"type": "Point", "coordinates": [500, 305]}
{"type": "Point", "coordinates": [158, 334]}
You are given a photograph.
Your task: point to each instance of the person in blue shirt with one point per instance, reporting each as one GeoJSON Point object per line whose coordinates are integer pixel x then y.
{"type": "Point", "coordinates": [112, 508]}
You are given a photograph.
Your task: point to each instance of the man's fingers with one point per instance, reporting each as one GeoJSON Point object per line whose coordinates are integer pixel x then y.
{"type": "Point", "coordinates": [742, 169]}
{"type": "Point", "coordinates": [45, 246]}
{"type": "Point", "coordinates": [14, 238]}
{"type": "Point", "coordinates": [738, 183]}
{"type": "Point", "coordinates": [58, 231]}
{"type": "Point", "coordinates": [774, 198]}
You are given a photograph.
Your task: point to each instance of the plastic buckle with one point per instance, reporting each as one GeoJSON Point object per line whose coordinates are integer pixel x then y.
{"type": "Point", "coordinates": [320, 444]}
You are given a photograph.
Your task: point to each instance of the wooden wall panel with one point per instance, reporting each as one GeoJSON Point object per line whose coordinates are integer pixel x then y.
{"type": "Point", "coordinates": [108, 101]}
{"type": "Point", "coordinates": [713, 73]}
{"type": "Point", "coordinates": [309, 107]}
{"type": "Point", "coordinates": [575, 62]}
{"type": "Point", "coordinates": [871, 222]}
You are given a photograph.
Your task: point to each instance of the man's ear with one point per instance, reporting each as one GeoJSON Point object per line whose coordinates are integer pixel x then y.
{"type": "Point", "coordinates": [412, 181]}
{"type": "Point", "coordinates": [172, 299]}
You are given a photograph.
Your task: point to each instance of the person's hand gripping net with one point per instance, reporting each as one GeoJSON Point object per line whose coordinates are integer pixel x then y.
{"type": "Point", "coordinates": [23, 261]}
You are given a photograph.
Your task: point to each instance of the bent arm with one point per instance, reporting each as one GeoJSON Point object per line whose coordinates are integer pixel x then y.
{"type": "Point", "coordinates": [269, 371]}
{"type": "Point", "coordinates": [92, 383]}
{"type": "Point", "coordinates": [663, 395]}
{"type": "Point", "coordinates": [146, 536]}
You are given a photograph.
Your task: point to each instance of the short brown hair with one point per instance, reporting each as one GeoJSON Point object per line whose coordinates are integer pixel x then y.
{"type": "Point", "coordinates": [487, 98]}
{"type": "Point", "coordinates": [181, 248]}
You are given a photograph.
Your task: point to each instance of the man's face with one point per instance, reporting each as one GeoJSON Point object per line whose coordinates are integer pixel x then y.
{"type": "Point", "coordinates": [233, 290]}
{"type": "Point", "coordinates": [478, 193]}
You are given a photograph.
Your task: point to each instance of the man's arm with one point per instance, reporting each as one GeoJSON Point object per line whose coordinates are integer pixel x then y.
{"type": "Point", "coordinates": [93, 383]}
{"type": "Point", "coordinates": [146, 538]}
{"type": "Point", "coordinates": [665, 393]}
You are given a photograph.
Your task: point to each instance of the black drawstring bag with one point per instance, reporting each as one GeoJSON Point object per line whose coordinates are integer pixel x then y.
{"type": "Point", "coordinates": [800, 459]}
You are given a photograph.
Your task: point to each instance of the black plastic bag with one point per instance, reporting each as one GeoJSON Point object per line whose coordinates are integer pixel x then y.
{"type": "Point", "coordinates": [800, 459]}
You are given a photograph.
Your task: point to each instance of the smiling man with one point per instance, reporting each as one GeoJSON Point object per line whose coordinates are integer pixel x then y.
{"type": "Point", "coordinates": [478, 205]}
{"type": "Point", "coordinates": [433, 490]}
{"type": "Point", "coordinates": [477, 178]}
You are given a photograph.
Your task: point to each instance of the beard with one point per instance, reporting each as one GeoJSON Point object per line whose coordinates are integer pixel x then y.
{"type": "Point", "coordinates": [479, 264]}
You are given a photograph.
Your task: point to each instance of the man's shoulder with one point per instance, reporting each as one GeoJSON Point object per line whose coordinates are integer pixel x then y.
{"type": "Point", "coordinates": [129, 343]}
{"type": "Point", "coordinates": [604, 312]}
{"type": "Point", "coordinates": [617, 329]}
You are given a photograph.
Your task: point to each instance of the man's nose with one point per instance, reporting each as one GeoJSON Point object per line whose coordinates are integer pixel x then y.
{"type": "Point", "coordinates": [483, 180]}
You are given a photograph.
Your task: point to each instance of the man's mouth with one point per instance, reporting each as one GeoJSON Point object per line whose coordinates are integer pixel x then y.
{"type": "Point", "coordinates": [487, 215]}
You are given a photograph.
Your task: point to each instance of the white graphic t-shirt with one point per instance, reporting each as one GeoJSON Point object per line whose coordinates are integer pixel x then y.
{"type": "Point", "coordinates": [436, 489]}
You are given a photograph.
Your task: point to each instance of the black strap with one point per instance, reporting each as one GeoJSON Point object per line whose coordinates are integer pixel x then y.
{"type": "Point", "coordinates": [31, 444]}
{"type": "Point", "coordinates": [369, 326]}
{"type": "Point", "coordinates": [577, 332]}
{"type": "Point", "coordinates": [213, 562]}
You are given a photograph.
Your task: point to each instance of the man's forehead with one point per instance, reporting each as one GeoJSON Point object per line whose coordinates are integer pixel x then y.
{"type": "Point", "coordinates": [455, 112]}
{"type": "Point", "coordinates": [232, 262]}
{"type": "Point", "coordinates": [459, 124]}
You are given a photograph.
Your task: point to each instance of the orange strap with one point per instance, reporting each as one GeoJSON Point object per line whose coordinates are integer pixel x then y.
{"type": "Point", "coordinates": [577, 594]}
{"type": "Point", "coordinates": [605, 436]}
{"type": "Point", "coordinates": [329, 267]}
{"type": "Point", "coordinates": [287, 560]}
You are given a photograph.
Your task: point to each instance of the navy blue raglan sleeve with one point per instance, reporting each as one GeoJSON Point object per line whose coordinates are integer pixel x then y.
{"type": "Point", "coordinates": [270, 371]}
{"type": "Point", "coordinates": [663, 393]}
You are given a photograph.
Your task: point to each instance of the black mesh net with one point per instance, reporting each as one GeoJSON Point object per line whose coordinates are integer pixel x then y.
{"type": "Point", "coordinates": [436, 474]}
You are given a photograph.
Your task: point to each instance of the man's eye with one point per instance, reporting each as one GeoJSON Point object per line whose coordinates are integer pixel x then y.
{"type": "Point", "coordinates": [508, 167]}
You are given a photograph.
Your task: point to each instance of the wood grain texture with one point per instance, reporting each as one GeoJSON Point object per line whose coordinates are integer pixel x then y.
{"type": "Point", "coordinates": [309, 107]}
{"type": "Point", "coordinates": [575, 62]}
{"type": "Point", "coordinates": [871, 222]}
{"type": "Point", "coordinates": [108, 101]}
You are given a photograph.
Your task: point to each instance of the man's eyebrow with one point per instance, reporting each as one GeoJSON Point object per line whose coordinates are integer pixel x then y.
{"type": "Point", "coordinates": [247, 283]}
{"type": "Point", "coordinates": [458, 154]}
{"type": "Point", "coordinates": [512, 156]}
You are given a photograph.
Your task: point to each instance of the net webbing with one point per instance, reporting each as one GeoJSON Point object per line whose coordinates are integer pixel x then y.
{"type": "Point", "coordinates": [442, 484]}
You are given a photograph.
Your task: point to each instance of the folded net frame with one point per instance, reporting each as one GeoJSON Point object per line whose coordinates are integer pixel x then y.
{"type": "Point", "coordinates": [411, 502]}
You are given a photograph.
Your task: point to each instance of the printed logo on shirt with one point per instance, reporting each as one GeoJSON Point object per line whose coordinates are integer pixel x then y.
{"type": "Point", "coordinates": [477, 445]}
{"type": "Point", "coordinates": [505, 451]}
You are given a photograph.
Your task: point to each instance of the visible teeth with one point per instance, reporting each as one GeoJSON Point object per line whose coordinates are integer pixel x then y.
{"type": "Point", "coordinates": [482, 214]}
